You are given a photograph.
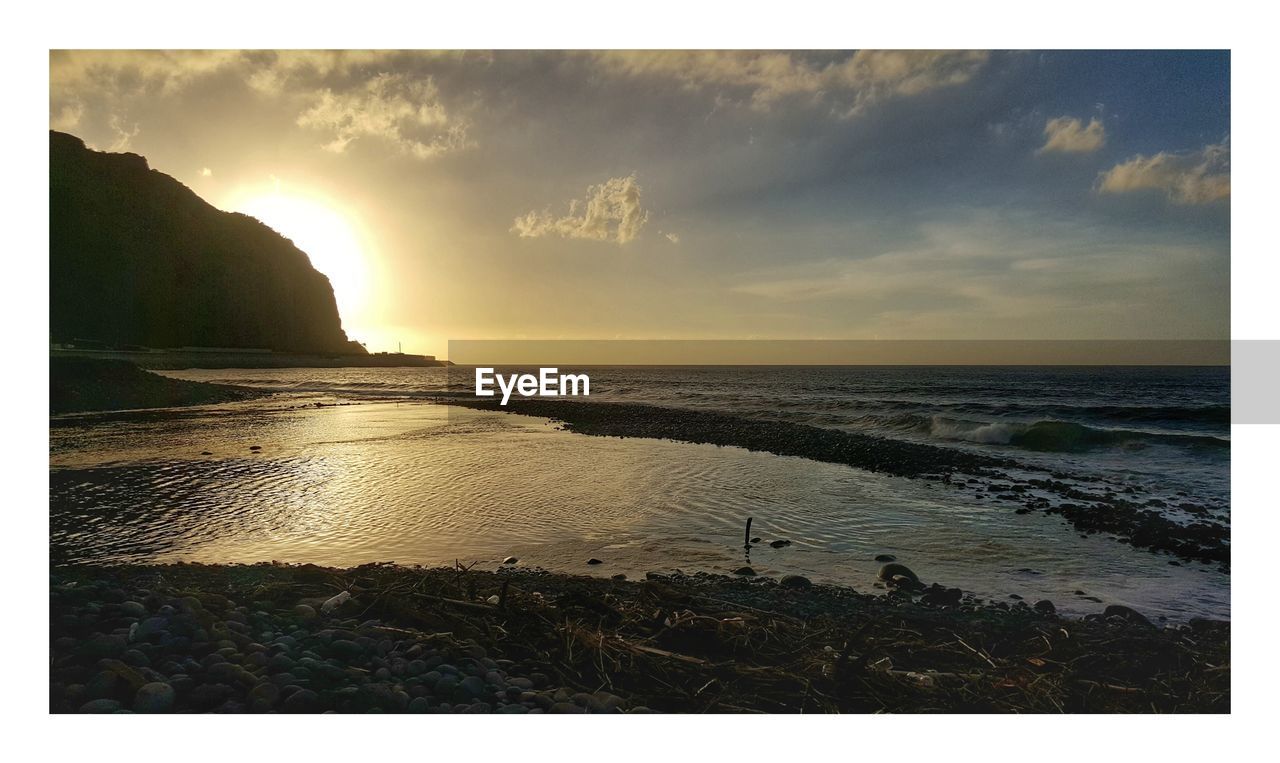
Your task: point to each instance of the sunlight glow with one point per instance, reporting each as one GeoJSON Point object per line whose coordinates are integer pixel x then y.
{"type": "Point", "coordinates": [328, 236]}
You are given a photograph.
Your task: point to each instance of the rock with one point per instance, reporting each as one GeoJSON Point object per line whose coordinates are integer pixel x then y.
{"type": "Point", "coordinates": [155, 697]}
{"type": "Point", "coordinates": [419, 705]}
{"type": "Point", "coordinates": [755, 540]}
{"type": "Point", "coordinates": [255, 447]}
{"type": "Point", "coordinates": [301, 701]}
{"type": "Point", "coordinates": [941, 597]}
{"type": "Point", "coordinates": [133, 609]}
{"type": "Point", "coordinates": [263, 697]}
{"type": "Point", "coordinates": [151, 627]}
{"type": "Point", "coordinates": [1125, 613]}
{"type": "Point", "coordinates": [472, 687]}
{"type": "Point", "coordinates": [904, 582]}
{"type": "Point", "coordinates": [780, 543]}
{"type": "Point", "coordinates": [100, 706]}
{"type": "Point", "coordinates": [1044, 606]}
{"type": "Point", "coordinates": [208, 696]}
{"type": "Point", "coordinates": [619, 576]}
{"type": "Point", "coordinates": [886, 558]}
{"type": "Point", "coordinates": [106, 645]}
{"type": "Point", "coordinates": [510, 560]}
{"type": "Point", "coordinates": [747, 571]}
{"type": "Point", "coordinates": [795, 581]}
{"type": "Point", "coordinates": [594, 560]}
{"type": "Point", "coordinates": [304, 612]}
{"type": "Point", "coordinates": [345, 648]}
{"type": "Point", "coordinates": [206, 453]}
{"type": "Point", "coordinates": [890, 571]}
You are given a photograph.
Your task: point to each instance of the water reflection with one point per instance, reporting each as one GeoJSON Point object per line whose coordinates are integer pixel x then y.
{"type": "Point", "coordinates": [416, 484]}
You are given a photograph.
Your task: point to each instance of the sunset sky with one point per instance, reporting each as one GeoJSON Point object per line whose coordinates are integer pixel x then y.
{"type": "Point", "coordinates": [707, 195]}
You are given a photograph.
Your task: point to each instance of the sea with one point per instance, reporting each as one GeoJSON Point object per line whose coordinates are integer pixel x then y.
{"type": "Point", "coordinates": [358, 465]}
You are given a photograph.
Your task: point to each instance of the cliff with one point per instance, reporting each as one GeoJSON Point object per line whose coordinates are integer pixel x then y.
{"type": "Point", "coordinates": [137, 258]}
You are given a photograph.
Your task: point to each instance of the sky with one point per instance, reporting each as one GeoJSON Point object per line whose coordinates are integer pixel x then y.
{"type": "Point", "coordinates": [705, 194]}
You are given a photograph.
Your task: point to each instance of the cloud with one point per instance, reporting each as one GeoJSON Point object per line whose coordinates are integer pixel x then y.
{"type": "Point", "coordinates": [1069, 135]}
{"type": "Point", "coordinates": [67, 117]}
{"type": "Point", "coordinates": [851, 82]}
{"type": "Point", "coordinates": [404, 111]}
{"type": "Point", "coordinates": [672, 237]}
{"type": "Point", "coordinates": [206, 172]}
{"type": "Point", "coordinates": [611, 211]}
{"type": "Point", "coordinates": [123, 135]}
{"type": "Point", "coordinates": [1002, 273]}
{"type": "Point", "coordinates": [1195, 177]}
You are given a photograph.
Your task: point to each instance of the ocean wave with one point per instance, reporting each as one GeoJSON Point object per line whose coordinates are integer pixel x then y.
{"type": "Point", "coordinates": [1051, 435]}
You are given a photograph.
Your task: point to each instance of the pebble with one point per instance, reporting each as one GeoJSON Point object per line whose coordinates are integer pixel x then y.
{"type": "Point", "coordinates": [155, 697]}
{"type": "Point", "coordinates": [100, 706]}
{"type": "Point", "coordinates": [594, 560]}
{"type": "Point", "coordinates": [510, 560]}
{"type": "Point", "coordinates": [795, 581]}
{"type": "Point", "coordinates": [746, 571]}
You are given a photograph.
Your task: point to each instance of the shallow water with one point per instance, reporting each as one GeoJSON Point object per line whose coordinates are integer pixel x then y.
{"type": "Point", "coordinates": [426, 484]}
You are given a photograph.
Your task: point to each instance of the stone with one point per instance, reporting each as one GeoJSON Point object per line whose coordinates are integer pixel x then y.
{"type": "Point", "coordinates": [890, 571]}
{"type": "Point", "coordinates": [1044, 606]}
{"type": "Point", "coordinates": [472, 687]}
{"type": "Point", "coordinates": [795, 581]}
{"type": "Point", "coordinates": [133, 609]}
{"type": "Point", "coordinates": [1125, 613]}
{"type": "Point", "coordinates": [882, 558]}
{"type": "Point", "coordinates": [155, 697]}
{"type": "Point", "coordinates": [301, 701]}
{"type": "Point", "coordinates": [100, 706]}
{"type": "Point", "coordinates": [594, 560]}
{"type": "Point", "coordinates": [110, 645]}
{"type": "Point", "coordinates": [510, 560]}
{"type": "Point", "coordinates": [263, 697]}
{"type": "Point", "coordinates": [745, 571]}
{"type": "Point", "coordinates": [780, 543]}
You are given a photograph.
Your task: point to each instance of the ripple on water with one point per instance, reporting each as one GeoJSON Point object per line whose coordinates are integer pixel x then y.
{"type": "Point", "coordinates": [423, 484]}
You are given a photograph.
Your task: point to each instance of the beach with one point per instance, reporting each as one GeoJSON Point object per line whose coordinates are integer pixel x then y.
{"type": "Point", "coordinates": [273, 638]}
{"type": "Point", "coordinates": [944, 578]}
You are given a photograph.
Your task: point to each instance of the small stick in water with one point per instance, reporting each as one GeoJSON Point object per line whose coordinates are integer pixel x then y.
{"type": "Point", "coordinates": [746, 541]}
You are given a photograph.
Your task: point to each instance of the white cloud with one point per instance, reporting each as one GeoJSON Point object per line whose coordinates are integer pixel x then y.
{"type": "Point", "coordinates": [611, 211]}
{"type": "Point", "coordinates": [396, 108]}
{"type": "Point", "coordinates": [672, 237]}
{"type": "Point", "coordinates": [1070, 135]}
{"type": "Point", "coordinates": [767, 76]}
{"type": "Point", "coordinates": [1195, 177]}
{"type": "Point", "coordinates": [206, 172]}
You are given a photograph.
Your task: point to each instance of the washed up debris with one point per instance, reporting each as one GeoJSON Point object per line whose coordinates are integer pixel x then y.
{"type": "Point", "coordinates": [334, 602]}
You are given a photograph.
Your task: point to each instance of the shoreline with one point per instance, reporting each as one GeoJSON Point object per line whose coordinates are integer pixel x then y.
{"type": "Point", "coordinates": [1203, 538]}
{"type": "Point", "coordinates": [258, 638]}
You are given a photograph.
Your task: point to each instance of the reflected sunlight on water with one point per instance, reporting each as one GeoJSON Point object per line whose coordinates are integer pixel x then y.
{"type": "Point", "coordinates": [425, 484]}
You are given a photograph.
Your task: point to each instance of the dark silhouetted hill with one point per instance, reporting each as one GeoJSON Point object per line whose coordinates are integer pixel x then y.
{"type": "Point", "coordinates": [136, 258]}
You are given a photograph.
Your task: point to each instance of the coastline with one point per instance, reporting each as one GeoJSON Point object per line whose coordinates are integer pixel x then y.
{"type": "Point", "coordinates": [257, 638]}
{"type": "Point", "coordinates": [89, 385]}
{"type": "Point", "coordinates": [1203, 537]}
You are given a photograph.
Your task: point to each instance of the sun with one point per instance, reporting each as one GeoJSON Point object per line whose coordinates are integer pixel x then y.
{"type": "Point", "coordinates": [329, 237]}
